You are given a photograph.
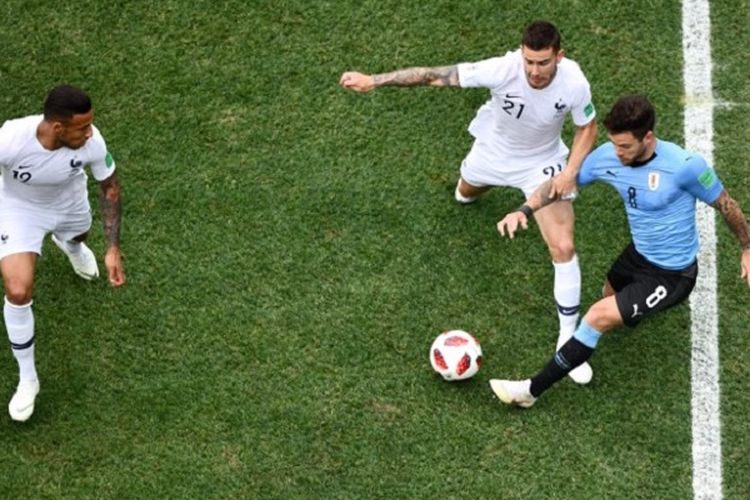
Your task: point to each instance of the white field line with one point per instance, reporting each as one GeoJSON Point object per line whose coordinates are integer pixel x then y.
{"type": "Point", "coordinates": [699, 106]}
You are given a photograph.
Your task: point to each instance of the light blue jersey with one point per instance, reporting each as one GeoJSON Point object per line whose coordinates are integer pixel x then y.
{"type": "Point", "coordinates": [659, 199]}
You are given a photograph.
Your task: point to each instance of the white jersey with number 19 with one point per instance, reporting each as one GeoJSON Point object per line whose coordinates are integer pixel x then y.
{"type": "Point", "coordinates": [48, 180]}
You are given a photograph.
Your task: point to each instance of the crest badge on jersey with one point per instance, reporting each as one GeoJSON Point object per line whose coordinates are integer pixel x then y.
{"type": "Point", "coordinates": [653, 181]}
{"type": "Point", "coordinates": [560, 107]}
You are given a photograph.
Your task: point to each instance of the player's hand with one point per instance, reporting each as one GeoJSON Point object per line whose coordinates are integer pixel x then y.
{"type": "Point", "coordinates": [563, 187]}
{"type": "Point", "coordinates": [115, 270]}
{"type": "Point", "coordinates": [357, 81]}
{"type": "Point", "coordinates": [745, 265]}
{"type": "Point", "coordinates": [510, 224]}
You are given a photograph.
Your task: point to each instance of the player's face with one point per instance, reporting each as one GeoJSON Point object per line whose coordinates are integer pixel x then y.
{"type": "Point", "coordinates": [75, 132]}
{"type": "Point", "coordinates": [630, 149]}
{"type": "Point", "coordinates": [540, 65]}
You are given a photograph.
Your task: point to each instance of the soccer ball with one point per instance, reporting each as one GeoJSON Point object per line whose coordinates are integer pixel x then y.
{"type": "Point", "coordinates": [456, 355]}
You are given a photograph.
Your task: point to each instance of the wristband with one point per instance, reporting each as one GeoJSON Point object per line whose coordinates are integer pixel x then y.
{"type": "Point", "coordinates": [527, 210]}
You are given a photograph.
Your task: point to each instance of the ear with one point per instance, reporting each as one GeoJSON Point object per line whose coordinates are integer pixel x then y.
{"type": "Point", "coordinates": [560, 55]}
{"type": "Point", "coordinates": [57, 128]}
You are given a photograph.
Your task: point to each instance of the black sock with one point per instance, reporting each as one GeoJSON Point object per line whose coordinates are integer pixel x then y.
{"type": "Point", "coordinates": [570, 355]}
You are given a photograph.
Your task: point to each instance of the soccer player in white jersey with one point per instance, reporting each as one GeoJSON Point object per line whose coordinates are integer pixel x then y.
{"type": "Point", "coordinates": [518, 141]}
{"type": "Point", "coordinates": [659, 183]}
{"type": "Point", "coordinates": [43, 191]}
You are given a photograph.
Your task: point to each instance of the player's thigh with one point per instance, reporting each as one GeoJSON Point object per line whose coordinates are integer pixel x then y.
{"type": "Point", "coordinates": [482, 167]}
{"type": "Point", "coordinates": [556, 222]}
{"type": "Point", "coordinates": [650, 294]}
{"type": "Point", "coordinates": [72, 225]}
{"type": "Point", "coordinates": [23, 230]}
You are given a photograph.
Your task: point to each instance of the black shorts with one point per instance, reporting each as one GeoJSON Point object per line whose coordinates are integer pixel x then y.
{"type": "Point", "coordinates": [642, 289]}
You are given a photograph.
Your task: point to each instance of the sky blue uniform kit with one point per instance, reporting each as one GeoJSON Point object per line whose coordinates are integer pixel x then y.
{"type": "Point", "coordinates": [659, 199]}
{"type": "Point", "coordinates": [658, 269]}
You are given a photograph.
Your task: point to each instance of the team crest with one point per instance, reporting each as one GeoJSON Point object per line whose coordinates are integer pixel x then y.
{"type": "Point", "coordinates": [653, 181]}
{"type": "Point", "coordinates": [560, 107]}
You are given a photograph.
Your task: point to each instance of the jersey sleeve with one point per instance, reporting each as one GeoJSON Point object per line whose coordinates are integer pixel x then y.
{"type": "Point", "coordinates": [102, 164]}
{"type": "Point", "coordinates": [699, 179]}
{"type": "Point", "coordinates": [488, 73]}
{"type": "Point", "coordinates": [582, 110]}
{"type": "Point", "coordinates": [587, 172]}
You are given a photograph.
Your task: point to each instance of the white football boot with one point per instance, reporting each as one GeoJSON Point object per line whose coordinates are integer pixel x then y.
{"type": "Point", "coordinates": [21, 405]}
{"type": "Point", "coordinates": [84, 261]}
{"type": "Point", "coordinates": [514, 392]}
{"type": "Point", "coordinates": [581, 374]}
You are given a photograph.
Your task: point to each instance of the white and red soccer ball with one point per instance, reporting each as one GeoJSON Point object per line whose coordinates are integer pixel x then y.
{"type": "Point", "coordinates": [456, 355]}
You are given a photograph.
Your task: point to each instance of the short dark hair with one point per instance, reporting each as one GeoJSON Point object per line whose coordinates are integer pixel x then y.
{"type": "Point", "coordinates": [64, 101]}
{"type": "Point", "coordinates": [540, 35]}
{"type": "Point", "coordinates": [631, 113]}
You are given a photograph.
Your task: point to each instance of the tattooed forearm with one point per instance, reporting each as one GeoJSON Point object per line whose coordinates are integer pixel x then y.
{"type": "Point", "coordinates": [444, 76]}
{"type": "Point", "coordinates": [736, 221]}
{"type": "Point", "coordinates": [111, 206]}
{"type": "Point", "coordinates": [541, 198]}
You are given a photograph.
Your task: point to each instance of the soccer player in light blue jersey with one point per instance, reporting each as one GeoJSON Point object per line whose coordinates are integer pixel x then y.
{"type": "Point", "coordinates": [659, 183]}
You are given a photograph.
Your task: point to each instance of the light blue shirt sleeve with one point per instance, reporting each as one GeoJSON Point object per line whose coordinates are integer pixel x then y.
{"type": "Point", "coordinates": [699, 179]}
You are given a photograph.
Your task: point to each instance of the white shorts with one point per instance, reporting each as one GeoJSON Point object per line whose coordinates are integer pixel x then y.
{"type": "Point", "coordinates": [484, 167]}
{"type": "Point", "coordinates": [22, 229]}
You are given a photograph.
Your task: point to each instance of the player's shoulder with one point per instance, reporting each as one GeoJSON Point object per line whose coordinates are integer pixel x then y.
{"type": "Point", "coordinates": [96, 144]}
{"type": "Point", "coordinates": [601, 157]}
{"type": "Point", "coordinates": [507, 59]}
{"type": "Point", "coordinates": [21, 126]}
{"type": "Point", "coordinates": [605, 150]}
{"type": "Point", "coordinates": [677, 155]}
{"type": "Point", "coordinates": [571, 71]}
{"type": "Point", "coordinates": [16, 134]}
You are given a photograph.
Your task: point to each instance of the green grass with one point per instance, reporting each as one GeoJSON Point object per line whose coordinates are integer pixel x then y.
{"type": "Point", "coordinates": [292, 249]}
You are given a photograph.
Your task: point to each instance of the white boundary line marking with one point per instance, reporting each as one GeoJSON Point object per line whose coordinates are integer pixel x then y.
{"type": "Point", "coordinates": [699, 106]}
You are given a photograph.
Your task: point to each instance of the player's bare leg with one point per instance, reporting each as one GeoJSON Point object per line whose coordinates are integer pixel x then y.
{"type": "Point", "coordinates": [466, 193]}
{"type": "Point", "coordinates": [18, 278]}
{"type": "Point", "coordinates": [600, 318]}
{"type": "Point", "coordinates": [556, 223]}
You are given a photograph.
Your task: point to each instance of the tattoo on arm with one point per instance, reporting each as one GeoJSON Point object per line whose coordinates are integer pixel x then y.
{"type": "Point", "coordinates": [541, 198]}
{"type": "Point", "coordinates": [734, 217]}
{"type": "Point", "coordinates": [111, 207]}
{"type": "Point", "coordinates": [444, 76]}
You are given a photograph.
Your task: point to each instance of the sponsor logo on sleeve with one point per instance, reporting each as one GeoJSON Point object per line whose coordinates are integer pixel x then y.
{"type": "Point", "coordinates": [707, 178]}
{"type": "Point", "coordinates": [108, 160]}
{"type": "Point", "coordinates": [589, 110]}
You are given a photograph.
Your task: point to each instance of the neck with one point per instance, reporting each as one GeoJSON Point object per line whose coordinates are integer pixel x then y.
{"type": "Point", "coordinates": [46, 136]}
{"type": "Point", "coordinates": [649, 152]}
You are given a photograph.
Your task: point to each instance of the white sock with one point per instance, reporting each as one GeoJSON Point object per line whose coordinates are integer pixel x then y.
{"type": "Point", "coordinates": [567, 295]}
{"type": "Point", "coordinates": [19, 322]}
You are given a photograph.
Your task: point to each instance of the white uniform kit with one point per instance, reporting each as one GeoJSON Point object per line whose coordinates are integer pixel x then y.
{"type": "Point", "coordinates": [43, 191]}
{"type": "Point", "coordinates": [518, 131]}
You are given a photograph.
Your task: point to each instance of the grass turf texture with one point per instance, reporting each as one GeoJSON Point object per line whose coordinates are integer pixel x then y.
{"type": "Point", "coordinates": [292, 249]}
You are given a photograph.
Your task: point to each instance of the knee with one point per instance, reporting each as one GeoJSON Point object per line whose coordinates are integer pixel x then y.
{"type": "Point", "coordinates": [562, 251]}
{"type": "Point", "coordinates": [602, 317]}
{"type": "Point", "coordinates": [17, 292]}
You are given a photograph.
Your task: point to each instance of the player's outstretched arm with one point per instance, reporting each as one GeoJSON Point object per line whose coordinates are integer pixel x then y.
{"type": "Point", "coordinates": [443, 76]}
{"type": "Point", "coordinates": [737, 223]}
{"type": "Point", "coordinates": [111, 207]}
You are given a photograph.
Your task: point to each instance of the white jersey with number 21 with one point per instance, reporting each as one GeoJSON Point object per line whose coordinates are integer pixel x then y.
{"type": "Point", "coordinates": [520, 123]}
